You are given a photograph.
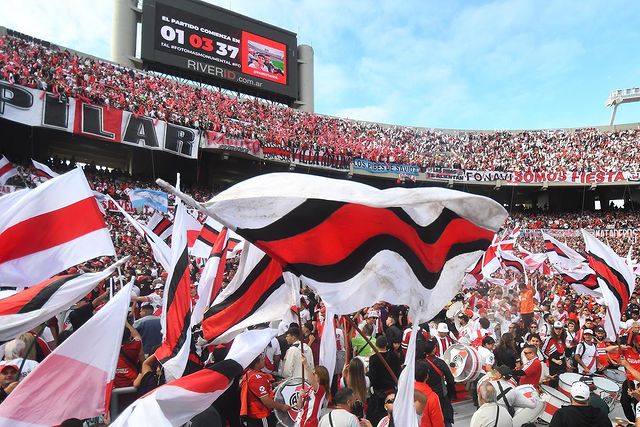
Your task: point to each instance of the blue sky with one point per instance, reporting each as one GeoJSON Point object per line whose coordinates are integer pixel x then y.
{"type": "Point", "coordinates": [518, 64]}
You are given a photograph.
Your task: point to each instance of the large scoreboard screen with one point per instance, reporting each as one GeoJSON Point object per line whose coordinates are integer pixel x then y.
{"type": "Point", "coordinates": [206, 42]}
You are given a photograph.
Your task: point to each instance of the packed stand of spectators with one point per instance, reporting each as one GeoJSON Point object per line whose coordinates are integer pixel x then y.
{"type": "Point", "coordinates": [325, 140]}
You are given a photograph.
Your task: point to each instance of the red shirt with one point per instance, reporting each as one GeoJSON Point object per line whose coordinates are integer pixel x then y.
{"type": "Point", "coordinates": [634, 360]}
{"type": "Point", "coordinates": [126, 371]}
{"type": "Point", "coordinates": [532, 373]}
{"type": "Point", "coordinates": [259, 386]}
{"type": "Point", "coordinates": [432, 415]}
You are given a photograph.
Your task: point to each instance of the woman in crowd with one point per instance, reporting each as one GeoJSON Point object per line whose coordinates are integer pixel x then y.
{"type": "Point", "coordinates": [353, 376]}
{"type": "Point", "coordinates": [316, 398]}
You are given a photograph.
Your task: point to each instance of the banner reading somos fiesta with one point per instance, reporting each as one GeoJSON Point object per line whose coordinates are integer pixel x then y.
{"type": "Point", "coordinates": [531, 177]}
{"type": "Point", "coordinates": [38, 108]}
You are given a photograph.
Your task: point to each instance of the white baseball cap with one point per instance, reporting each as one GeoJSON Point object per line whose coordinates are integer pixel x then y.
{"type": "Point", "coordinates": [587, 331]}
{"type": "Point", "coordinates": [558, 324]}
{"type": "Point", "coordinates": [580, 391]}
{"type": "Point", "coordinates": [442, 327]}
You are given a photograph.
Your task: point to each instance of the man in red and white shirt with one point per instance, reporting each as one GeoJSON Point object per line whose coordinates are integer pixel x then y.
{"type": "Point", "coordinates": [443, 339]}
{"type": "Point", "coordinates": [586, 354]}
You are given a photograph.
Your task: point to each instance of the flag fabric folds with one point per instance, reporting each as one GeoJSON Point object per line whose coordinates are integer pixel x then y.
{"type": "Point", "coordinates": [49, 229]}
{"type": "Point", "coordinates": [141, 197]}
{"type": "Point", "coordinates": [256, 294]}
{"type": "Point", "coordinates": [33, 306]}
{"type": "Point", "coordinates": [7, 170]}
{"type": "Point", "coordinates": [350, 242]}
{"type": "Point", "coordinates": [572, 267]}
{"type": "Point", "coordinates": [203, 246]}
{"type": "Point", "coordinates": [76, 374]}
{"type": "Point", "coordinates": [176, 402]}
{"type": "Point", "coordinates": [173, 353]}
{"type": "Point", "coordinates": [160, 225]}
{"type": "Point", "coordinates": [44, 171]}
{"type": "Point", "coordinates": [511, 262]}
{"type": "Point", "coordinates": [615, 277]}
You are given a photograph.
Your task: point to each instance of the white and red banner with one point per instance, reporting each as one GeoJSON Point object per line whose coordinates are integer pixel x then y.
{"type": "Point", "coordinates": [77, 375]}
{"type": "Point", "coordinates": [48, 229]}
{"type": "Point", "coordinates": [551, 176]}
{"type": "Point", "coordinates": [35, 107]}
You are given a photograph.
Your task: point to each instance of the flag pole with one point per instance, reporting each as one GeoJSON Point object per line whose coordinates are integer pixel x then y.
{"type": "Point", "coordinates": [384, 362]}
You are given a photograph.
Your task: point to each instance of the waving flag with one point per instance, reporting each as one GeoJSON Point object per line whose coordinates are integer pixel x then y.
{"type": "Point", "coordinates": [511, 262]}
{"type": "Point", "coordinates": [256, 294]}
{"type": "Point", "coordinates": [203, 246]}
{"type": "Point", "coordinates": [49, 229]}
{"type": "Point", "coordinates": [160, 250]}
{"type": "Point", "coordinates": [534, 262]}
{"type": "Point", "coordinates": [176, 304]}
{"type": "Point", "coordinates": [44, 171]}
{"type": "Point", "coordinates": [140, 197]}
{"type": "Point", "coordinates": [615, 277]}
{"type": "Point", "coordinates": [31, 307]}
{"type": "Point", "coordinates": [572, 267]}
{"type": "Point", "coordinates": [76, 375]}
{"type": "Point", "coordinates": [7, 170]}
{"type": "Point", "coordinates": [351, 242]}
{"type": "Point", "coordinates": [176, 402]}
{"type": "Point", "coordinates": [160, 225]}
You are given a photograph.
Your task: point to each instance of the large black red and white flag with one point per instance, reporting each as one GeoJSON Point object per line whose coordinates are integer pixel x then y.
{"type": "Point", "coordinates": [48, 229]}
{"type": "Point", "coordinates": [571, 266]}
{"type": "Point", "coordinates": [352, 242]}
{"type": "Point", "coordinates": [7, 170]}
{"type": "Point", "coordinates": [257, 293]}
{"type": "Point", "coordinates": [33, 306]}
{"type": "Point", "coordinates": [43, 171]}
{"type": "Point", "coordinates": [176, 402]}
{"type": "Point", "coordinates": [160, 225]}
{"type": "Point", "coordinates": [615, 278]}
{"type": "Point", "coordinates": [175, 319]}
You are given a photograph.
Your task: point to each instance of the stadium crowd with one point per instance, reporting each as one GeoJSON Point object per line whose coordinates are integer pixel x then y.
{"type": "Point", "coordinates": [525, 334]}
{"type": "Point", "coordinates": [291, 132]}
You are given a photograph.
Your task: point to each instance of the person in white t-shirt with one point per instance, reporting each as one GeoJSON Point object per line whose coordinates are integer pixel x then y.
{"type": "Point", "coordinates": [341, 416]}
{"type": "Point", "coordinates": [487, 358]}
{"type": "Point", "coordinates": [586, 353]}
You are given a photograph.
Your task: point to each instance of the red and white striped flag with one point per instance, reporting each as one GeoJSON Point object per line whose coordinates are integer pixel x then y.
{"type": "Point", "coordinates": [7, 170]}
{"type": "Point", "coordinates": [176, 402]}
{"type": "Point", "coordinates": [173, 353]}
{"type": "Point", "coordinates": [76, 375]}
{"type": "Point", "coordinates": [511, 262]}
{"type": "Point", "coordinates": [256, 294]}
{"type": "Point", "coordinates": [51, 228]}
{"type": "Point", "coordinates": [615, 278]}
{"type": "Point", "coordinates": [571, 266]}
{"type": "Point", "coordinates": [160, 225]}
{"type": "Point", "coordinates": [31, 307]}
{"type": "Point", "coordinates": [44, 171]}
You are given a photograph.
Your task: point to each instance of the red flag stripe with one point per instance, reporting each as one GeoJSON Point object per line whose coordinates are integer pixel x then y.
{"type": "Point", "coordinates": [50, 229]}
{"type": "Point", "coordinates": [264, 279]}
{"type": "Point", "coordinates": [612, 278]}
{"type": "Point", "coordinates": [32, 298]}
{"type": "Point", "coordinates": [6, 168]}
{"type": "Point", "coordinates": [209, 380]}
{"type": "Point", "coordinates": [316, 246]}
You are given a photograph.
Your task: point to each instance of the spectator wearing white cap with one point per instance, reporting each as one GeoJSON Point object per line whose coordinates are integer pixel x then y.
{"type": "Point", "coordinates": [490, 414]}
{"type": "Point", "coordinates": [580, 413]}
{"type": "Point", "coordinates": [586, 353]}
{"type": "Point", "coordinates": [443, 339]}
{"type": "Point", "coordinates": [154, 299]}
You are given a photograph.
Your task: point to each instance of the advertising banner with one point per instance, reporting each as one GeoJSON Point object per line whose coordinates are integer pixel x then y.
{"type": "Point", "coordinates": [380, 167]}
{"type": "Point", "coordinates": [37, 108]}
